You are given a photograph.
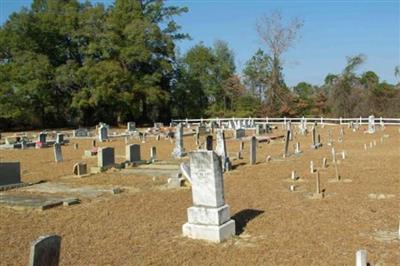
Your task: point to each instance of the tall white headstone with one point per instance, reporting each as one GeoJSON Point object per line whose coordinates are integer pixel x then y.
{"type": "Point", "coordinates": [209, 217]}
{"type": "Point", "coordinates": [371, 124]}
{"type": "Point", "coordinates": [178, 151]}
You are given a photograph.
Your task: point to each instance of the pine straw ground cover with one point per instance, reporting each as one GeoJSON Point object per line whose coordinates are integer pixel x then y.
{"type": "Point", "coordinates": [142, 225]}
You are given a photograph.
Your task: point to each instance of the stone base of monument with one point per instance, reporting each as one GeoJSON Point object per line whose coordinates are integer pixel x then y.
{"type": "Point", "coordinates": [214, 233]}
{"type": "Point", "coordinates": [207, 223]}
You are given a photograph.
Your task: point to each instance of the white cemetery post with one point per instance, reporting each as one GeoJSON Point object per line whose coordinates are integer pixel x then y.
{"type": "Point", "coordinates": [209, 218]}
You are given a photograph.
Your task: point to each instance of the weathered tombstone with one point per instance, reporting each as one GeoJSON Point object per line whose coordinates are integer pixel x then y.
{"type": "Point", "coordinates": [103, 133]}
{"type": "Point", "coordinates": [361, 258]}
{"type": "Point", "coordinates": [312, 167]}
{"type": "Point", "coordinates": [153, 154]}
{"type": "Point", "coordinates": [76, 146]}
{"type": "Point", "coordinates": [60, 138]}
{"type": "Point", "coordinates": [253, 150]}
{"type": "Point", "coordinates": [239, 133]}
{"type": "Point", "coordinates": [45, 251]}
{"type": "Point", "coordinates": [220, 150]}
{"type": "Point", "coordinates": [80, 169]}
{"type": "Point", "coordinates": [179, 151]}
{"type": "Point", "coordinates": [10, 173]}
{"type": "Point", "coordinates": [80, 132]}
{"type": "Point", "coordinates": [42, 137]}
{"type": "Point", "coordinates": [315, 144]}
{"type": "Point", "coordinates": [132, 153]}
{"type": "Point", "coordinates": [57, 153]}
{"type": "Point", "coordinates": [131, 126]}
{"type": "Point", "coordinates": [371, 124]}
{"type": "Point", "coordinates": [241, 146]}
{"type": "Point", "coordinates": [209, 218]}
{"type": "Point", "coordinates": [286, 149]}
{"type": "Point", "coordinates": [105, 157]}
{"type": "Point", "coordinates": [209, 143]}
{"type": "Point", "coordinates": [294, 175]}
{"type": "Point", "coordinates": [93, 143]}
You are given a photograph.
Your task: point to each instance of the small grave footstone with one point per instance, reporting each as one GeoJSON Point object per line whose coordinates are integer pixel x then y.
{"type": "Point", "coordinates": [45, 251]}
{"type": "Point", "coordinates": [76, 146]}
{"type": "Point", "coordinates": [58, 153]}
{"type": "Point", "coordinates": [94, 143]}
{"type": "Point", "coordinates": [294, 176]}
{"type": "Point", "coordinates": [209, 218]}
{"type": "Point", "coordinates": [297, 148]}
{"type": "Point", "coordinates": [253, 150]}
{"type": "Point", "coordinates": [361, 258]}
{"type": "Point", "coordinates": [312, 170]}
{"type": "Point", "coordinates": [324, 162]}
{"type": "Point", "coordinates": [333, 155]}
{"type": "Point", "coordinates": [292, 188]}
{"type": "Point", "coordinates": [365, 147]}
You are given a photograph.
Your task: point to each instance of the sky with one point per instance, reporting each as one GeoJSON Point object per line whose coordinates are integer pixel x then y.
{"type": "Point", "coordinates": [333, 30]}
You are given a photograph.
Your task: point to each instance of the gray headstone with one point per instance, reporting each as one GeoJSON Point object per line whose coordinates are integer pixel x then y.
{"type": "Point", "coordinates": [220, 149]}
{"type": "Point", "coordinates": [105, 157]}
{"type": "Point", "coordinates": [153, 154]}
{"type": "Point", "coordinates": [131, 126]}
{"type": "Point", "coordinates": [57, 152]}
{"type": "Point", "coordinates": [253, 150]}
{"type": "Point", "coordinates": [132, 153]}
{"type": "Point", "coordinates": [80, 132]}
{"type": "Point", "coordinates": [80, 169]}
{"type": "Point", "coordinates": [60, 138]}
{"type": "Point", "coordinates": [103, 133]}
{"type": "Point", "coordinates": [45, 251]}
{"type": "Point", "coordinates": [287, 139]}
{"type": "Point", "coordinates": [239, 133]}
{"type": "Point", "coordinates": [10, 173]}
{"type": "Point", "coordinates": [209, 143]}
{"type": "Point", "coordinates": [42, 137]}
{"type": "Point", "coordinates": [178, 151]}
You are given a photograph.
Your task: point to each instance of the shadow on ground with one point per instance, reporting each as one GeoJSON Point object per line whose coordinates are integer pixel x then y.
{"type": "Point", "coordinates": [243, 217]}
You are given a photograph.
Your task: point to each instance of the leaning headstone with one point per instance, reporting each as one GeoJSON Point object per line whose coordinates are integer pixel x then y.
{"type": "Point", "coordinates": [179, 151]}
{"type": "Point", "coordinates": [80, 169]}
{"type": "Point", "coordinates": [209, 218]}
{"type": "Point", "coordinates": [253, 150]}
{"type": "Point", "coordinates": [132, 153]}
{"type": "Point", "coordinates": [10, 173]}
{"type": "Point", "coordinates": [371, 124]}
{"type": "Point", "coordinates": [57, 153]}
{"type": "Point", "coordinates": [105, 157]}
{"type": "Point", "coordinates": [209, 143]}
{"type": "Point", "coordinates": [45, 251]}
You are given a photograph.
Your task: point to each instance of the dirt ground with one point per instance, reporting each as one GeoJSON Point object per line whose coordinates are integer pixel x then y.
{"type": "Point", "coordinates": [143, 225]}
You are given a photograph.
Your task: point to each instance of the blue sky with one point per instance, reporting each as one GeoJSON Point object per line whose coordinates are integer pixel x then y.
{"type": "Point", "coordinates": [332, 30]}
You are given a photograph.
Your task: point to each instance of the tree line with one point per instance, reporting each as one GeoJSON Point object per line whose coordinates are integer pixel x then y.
{"type": "Point", "coordinates": [68, 63]}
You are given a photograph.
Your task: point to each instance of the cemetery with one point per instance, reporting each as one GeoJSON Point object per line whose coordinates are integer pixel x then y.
{"type": "Point", "coordinates": [154, 132]}
{"type": "Point", "coordinates": [289, 197]}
